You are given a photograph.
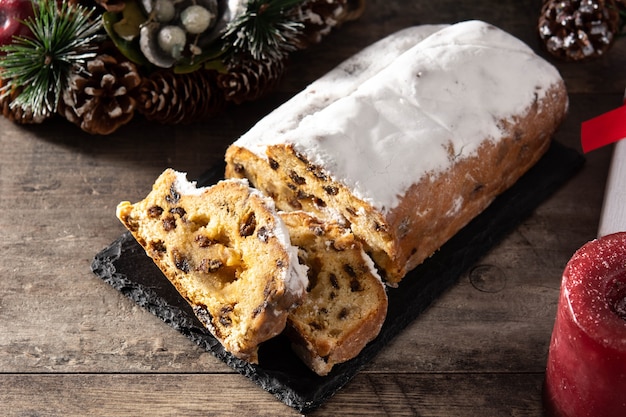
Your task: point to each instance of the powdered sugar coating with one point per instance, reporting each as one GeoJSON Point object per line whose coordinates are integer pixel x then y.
{"type": "Point", "coordinates": [185, 187]}
{"type": "Point", "coordinates": [380, 131]}
{"type": "Point", "coordinates": [336, 84]}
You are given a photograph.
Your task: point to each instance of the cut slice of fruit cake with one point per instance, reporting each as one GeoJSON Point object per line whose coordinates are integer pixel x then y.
{"type": "Point", "coordinates": [226, 251]}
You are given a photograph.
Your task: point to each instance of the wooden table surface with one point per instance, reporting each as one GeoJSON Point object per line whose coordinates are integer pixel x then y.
{"type": "Point", "coordinates": [72, 345]}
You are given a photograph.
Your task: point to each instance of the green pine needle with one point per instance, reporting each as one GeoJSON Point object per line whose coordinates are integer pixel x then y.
{"type": "Point", "coordinates": [264, 30]}
{"type": "Point", "coordinates": [62, 37]}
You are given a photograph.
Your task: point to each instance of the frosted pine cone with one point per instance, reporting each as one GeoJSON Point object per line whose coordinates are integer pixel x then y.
{"type": "Point", "coordinates": [321, 16]}
{"type": "Point", "coordinates": [99, 98]}
{"type": "Point", "coordinates": [170, 98]}
{"type": "Point", "coordinates": [578, 29]}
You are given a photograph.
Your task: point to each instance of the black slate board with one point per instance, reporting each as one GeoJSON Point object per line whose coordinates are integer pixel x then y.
{"type": "Point", "coordinates": [125, 266]}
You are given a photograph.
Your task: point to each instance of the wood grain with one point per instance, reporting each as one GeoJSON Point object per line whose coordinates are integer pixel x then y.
{"type": "Point", "coordinates": [368, 395]}
{"type": "Point", "coordinates": [71, 345]}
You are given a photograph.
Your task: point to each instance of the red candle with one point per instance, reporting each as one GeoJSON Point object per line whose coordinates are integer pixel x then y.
{"type": "Point", "coordinates": [586, 371]}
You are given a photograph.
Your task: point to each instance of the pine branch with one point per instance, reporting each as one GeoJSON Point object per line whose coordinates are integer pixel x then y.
{"type": "Point", "coordinates": [62, 37]}
{"type": "Point", "coordinates": [264, 30]}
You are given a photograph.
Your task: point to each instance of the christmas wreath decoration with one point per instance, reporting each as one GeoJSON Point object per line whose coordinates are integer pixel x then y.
{"type": "Point", "coordinates": [98, 63]}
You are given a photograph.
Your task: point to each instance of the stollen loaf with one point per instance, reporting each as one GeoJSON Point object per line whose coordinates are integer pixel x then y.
{"type": "Point", "coordinates": [406, 152]}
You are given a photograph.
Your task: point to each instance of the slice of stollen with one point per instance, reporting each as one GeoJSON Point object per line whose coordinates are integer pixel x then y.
{"type": "Point", "coordinates": [226, 251]}
{"type": "Point", "coordinates": [346, 302]}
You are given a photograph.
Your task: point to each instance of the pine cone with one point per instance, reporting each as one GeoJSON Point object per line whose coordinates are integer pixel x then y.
{"type": "Point", "coordinates": [170, 98]}
{"type": "Point", "coordinates": [249, 79]}
{"type": "Point", "coordinates": [16, 113]}
{"type": "Point", "coordinates": [99, 98]}
{"type": "Point", "coordinates": [321, 16]}
{"type": "Point", "coordinates": [578, 29]}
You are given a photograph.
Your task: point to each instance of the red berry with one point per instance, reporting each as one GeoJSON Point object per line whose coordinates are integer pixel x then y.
{"type": "Point", "coordinates": [12, 15]}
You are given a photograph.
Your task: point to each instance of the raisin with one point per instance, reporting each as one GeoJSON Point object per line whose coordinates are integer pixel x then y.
{"type": "Point", "coordinates": [155, 211]}
{"type": "Point", "coordinates": [319, 202]}
{"type": "Point", "coordinates": [225, 319]}
{"type": "Point", "coordinates": [179, 211]}
{"type": "Point", "coordinates": [248, 226]}
{"type": "Point", "coordinates": [331, 190]}
{"type": "Point", "coordinates": [343, 314]}
{"type": "Point", "coordinates": [173, 197]}
{"type": "Point", "coordinates": [210, 265]}
{"type": "Point", "coordinates": [239, 168]}
{"type": "Point", "coordinates": [273, 164]}
{"type": "Point", "coordinates": [296, 178]}
{"type": "Point", "coordinates": [157, 246]}
{"type": "Point", "coordinates": [215, 264]}
{"type": "Point", "coordinates": [203, 241]}
{"type": "Point", "coordinates": [181, 261]}
{"type": "Point", "coordinates": [380, 227]}
{"type": "Point", "coordinates": [333, 281]}
{"type": "Point", "coordinates": [169, 223]}
{"type": "Point", "coordinates": [301, 195]}
{"type": "Point", "coordinates": [349, 270]}
{"type": "Point", "coordinates": [301, 157]}
{"type": "Point", "coordinates": [355, 285]}
{"type": "Point", "coordinates": [319, 174]}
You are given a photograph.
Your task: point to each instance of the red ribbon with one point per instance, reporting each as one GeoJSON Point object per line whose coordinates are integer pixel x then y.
{"type": "Point", "coordinates": [604, 130]}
